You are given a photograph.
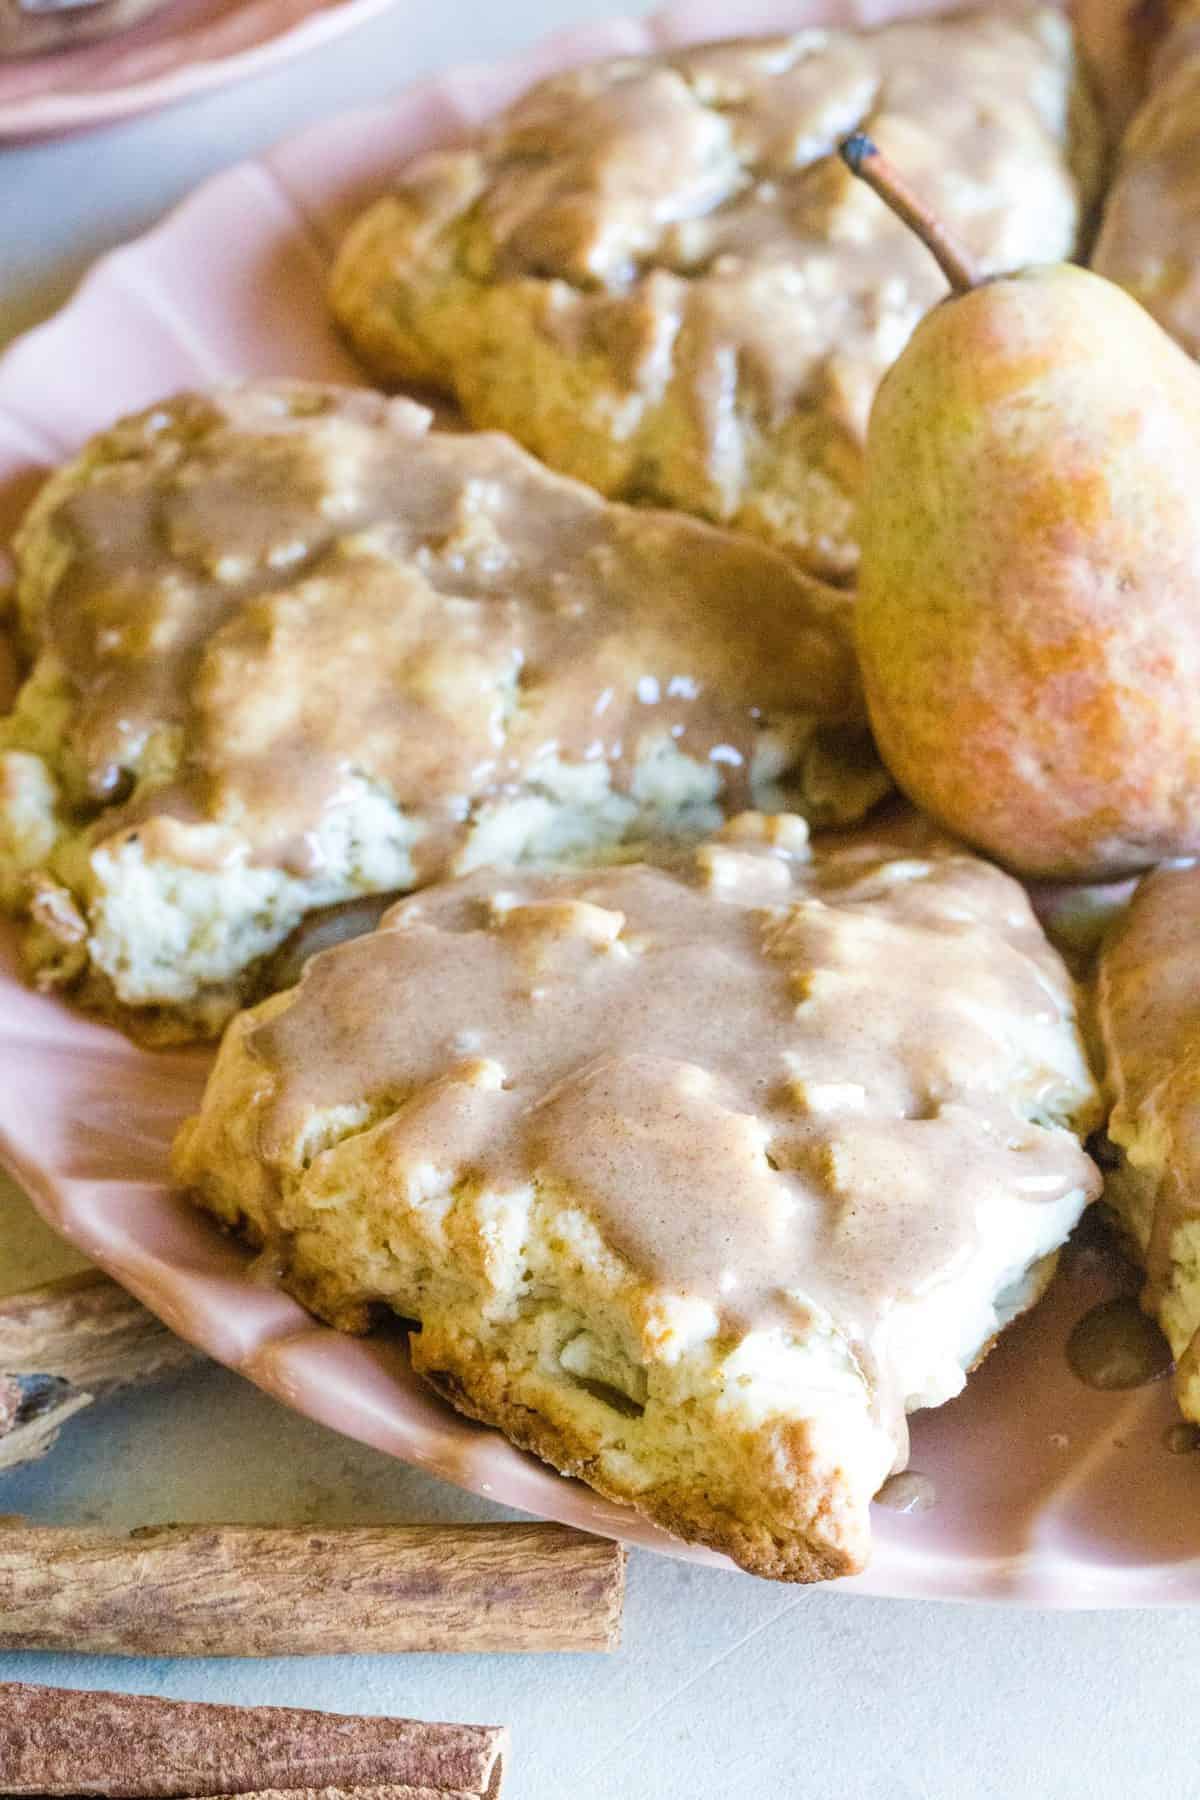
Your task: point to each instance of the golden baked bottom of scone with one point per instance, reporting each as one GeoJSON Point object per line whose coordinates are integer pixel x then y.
{"type": "Point", "coordinates": [1148, 1005]}
{"type": "Point", "coordinates": [286, 645]}
{"type": "Point", "coordinates": [696, 1178]}
{"type": "Point", "coordinates": [656, 275]}
{"type": "Point", "coordinates": [1150, 237]}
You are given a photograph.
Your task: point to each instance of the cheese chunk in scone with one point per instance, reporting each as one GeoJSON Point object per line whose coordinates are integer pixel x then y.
{"type": "Point", "coordinates": [287, 646]}
{"type": "Point", "coordinates": [656, 273]}
{"type": "Point", "coordinates": [1148, 1002]}
{"type": "Point", "coordinates": [697, 1178]}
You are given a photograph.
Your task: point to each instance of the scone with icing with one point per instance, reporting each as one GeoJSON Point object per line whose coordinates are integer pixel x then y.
{"type": "Point", "coordinates": [698, 1179]}
{"type": "Point", "coordinates": [1150, 237]}
{"type": "Point", "coordinates": [655, 274]}
{"type": "Point", "coordinates": [1149, 1013]}
{"type": "Point", "coordinates": [288, 645]}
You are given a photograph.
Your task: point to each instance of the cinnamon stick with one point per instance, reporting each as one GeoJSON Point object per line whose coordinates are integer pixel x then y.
{"type": "Point", "coordinates": [243, 1590]}
{"type": "Point", "coordinates": [32, 1408]}
{"type": "Point", "coordinates": [66, 1344]}
{"type": "Point", "coordinates": [89, 1331]}
{"type": "Point", "coordinates": [58, 1741]}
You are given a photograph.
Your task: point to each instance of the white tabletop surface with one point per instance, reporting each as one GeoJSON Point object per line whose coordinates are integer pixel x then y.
{"type": "Point", "coordinates": [725, 1685]}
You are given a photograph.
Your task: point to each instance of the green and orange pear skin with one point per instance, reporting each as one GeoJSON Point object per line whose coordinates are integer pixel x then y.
{"type": "Point", "coordinates": [1029, 593]}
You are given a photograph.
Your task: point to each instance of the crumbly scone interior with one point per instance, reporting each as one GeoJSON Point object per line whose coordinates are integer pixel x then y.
{"type": "Point", "coordinates": [696, 1179]}
{"type": "Point", "coordinates": [656, 274]}
{"type": "Point", "coordinates": [286, 646]}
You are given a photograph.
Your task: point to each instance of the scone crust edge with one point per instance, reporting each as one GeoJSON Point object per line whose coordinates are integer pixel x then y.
{"type": "Point", "coordinates": [215, 1159]}
{"type": "Point", "coordinates": [835, 1546]}
{"type": "Point", "coordinates": [166, 949]}
{"type": "Point", "coordinates": [504, 1283]}
{"type": "Point", "coordinates": [414, 293]}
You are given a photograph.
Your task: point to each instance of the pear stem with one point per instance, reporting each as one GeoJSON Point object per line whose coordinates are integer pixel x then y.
{"type": "Point", "coordinates": [865, 159]}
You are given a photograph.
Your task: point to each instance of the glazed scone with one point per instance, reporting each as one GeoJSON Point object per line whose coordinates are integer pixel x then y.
{"type": "Point", "coordinates": [697, 1178]}
{"type": "Point", "coordinates": [288, 645]}
{"type": "Point", "coordinates": [654, 273]}
{"type": "Point", "coordinates": [1150, 237]}
{"type": "Point", "coordinates": [1148, 1003]}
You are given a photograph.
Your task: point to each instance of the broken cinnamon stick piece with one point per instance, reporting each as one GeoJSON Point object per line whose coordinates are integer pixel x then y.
{"type": "Point", "coordinates": [32, 1408]}
{"type": "Point", "coordinates": [66, 1344]}
{"type": "Point", "coordinates": [243, 1590]}
{"type": "Point", "coordinates": [59, 1741]}
{"type": "Point", "coordinates": [90, 1332]}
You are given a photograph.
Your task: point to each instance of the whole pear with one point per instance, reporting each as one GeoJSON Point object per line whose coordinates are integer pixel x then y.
{"type": "Point", "coordinates": [1029, 608]}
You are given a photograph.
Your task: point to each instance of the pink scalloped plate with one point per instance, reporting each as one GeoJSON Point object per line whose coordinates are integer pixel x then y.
{"type": "Point", "coordinates": [187, 48]}
{"type": "Point", "coordinates": [1048, 1494]}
